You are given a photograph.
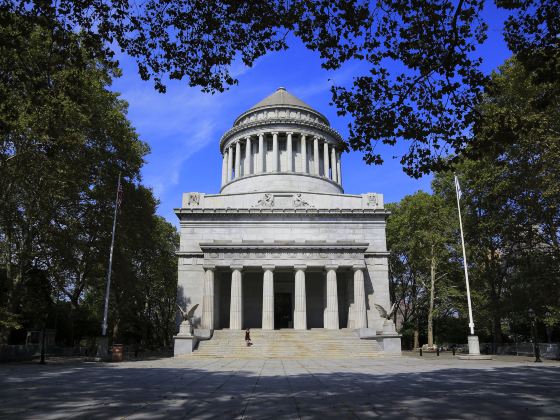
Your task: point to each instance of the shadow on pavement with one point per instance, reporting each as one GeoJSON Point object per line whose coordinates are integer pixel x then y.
{"type": "Point", "coordinates": [274, 389]}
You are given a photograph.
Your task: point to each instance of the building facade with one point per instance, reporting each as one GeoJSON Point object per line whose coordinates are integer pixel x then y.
{"type": "Point", "coordinates": [281, 245]}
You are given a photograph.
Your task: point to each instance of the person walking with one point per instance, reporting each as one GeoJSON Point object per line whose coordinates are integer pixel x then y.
{"type": "Point", "coordinates": [248, 337]}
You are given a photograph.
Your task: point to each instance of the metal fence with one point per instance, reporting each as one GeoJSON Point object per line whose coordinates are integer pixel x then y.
{"type": "Point", "coordinates": [548, 350]}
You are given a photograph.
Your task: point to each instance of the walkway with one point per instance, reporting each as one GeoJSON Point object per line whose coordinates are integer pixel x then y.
{"type": "Point", "coordinates": [205, 388]}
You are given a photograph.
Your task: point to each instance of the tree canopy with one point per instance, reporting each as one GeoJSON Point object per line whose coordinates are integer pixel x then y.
{"type": "Point", "coordinates": [511, 210]}
{"type": "Point", "coordinates": [423, 83]}
{"type": "Point", "coordinates": [64, 138]}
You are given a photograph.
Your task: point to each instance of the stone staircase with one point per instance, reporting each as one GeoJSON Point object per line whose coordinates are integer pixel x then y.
{"type": "Point", "coordinates": [288, 343]}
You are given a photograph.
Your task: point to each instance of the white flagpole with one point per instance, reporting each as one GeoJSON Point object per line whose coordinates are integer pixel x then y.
{"type": "Point", "coordinates": [108, 288]}
{"type": "Point", "coordinates": [457, 193]}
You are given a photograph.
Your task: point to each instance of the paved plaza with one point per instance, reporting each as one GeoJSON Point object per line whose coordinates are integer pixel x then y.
{"type": "Point", "coordinates": [199, 388]}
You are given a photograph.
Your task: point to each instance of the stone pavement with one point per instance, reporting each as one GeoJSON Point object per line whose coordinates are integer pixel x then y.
{"type": "Point", "coordinates": [205, 388]}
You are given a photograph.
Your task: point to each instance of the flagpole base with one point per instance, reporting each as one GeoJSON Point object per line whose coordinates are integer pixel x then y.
{"type": "Point", "coordinates": [474, 346]}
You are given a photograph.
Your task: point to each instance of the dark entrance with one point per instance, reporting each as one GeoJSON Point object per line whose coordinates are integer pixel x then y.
{"type": "Point", "coordinates": [283, 310]}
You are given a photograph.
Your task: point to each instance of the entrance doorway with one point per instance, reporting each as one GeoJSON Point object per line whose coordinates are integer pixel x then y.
{"type": "Point", "coordinates": [283, 314]}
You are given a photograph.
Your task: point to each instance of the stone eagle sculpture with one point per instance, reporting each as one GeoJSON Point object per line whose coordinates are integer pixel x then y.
{"type": "Point", "coordinates": [187, 315]}
{"type": "Point", "coordinates": [383, 312]}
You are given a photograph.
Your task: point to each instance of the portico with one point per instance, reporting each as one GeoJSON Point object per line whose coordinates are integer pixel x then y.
{"type": "Point", "coordinates": [335, 287]}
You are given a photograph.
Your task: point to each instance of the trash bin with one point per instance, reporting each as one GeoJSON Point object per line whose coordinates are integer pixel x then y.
{"type": "Point", "coordinates": [117, 351]}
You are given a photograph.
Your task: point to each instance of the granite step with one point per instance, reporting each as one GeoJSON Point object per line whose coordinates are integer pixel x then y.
{"type": "Point", "coordinates": [288, 343]}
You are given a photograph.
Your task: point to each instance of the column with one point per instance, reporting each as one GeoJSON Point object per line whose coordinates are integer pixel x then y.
{"type": "Point", "coordinates": [333, 164]}
{"type": "Point", "coordinates": [338, 165]}
{"type": "Point", "coordinates": [359, 298]}
{"type": "Point", "coordinates": [236, 302]}
{"type": "Point", "coordinates": [326, 160]}
{"type": "Point", "coordinates": [237, 159]}
{"type": "Point", "coordinates": [289, 151]}
{"type": "Point", "coordinates": [229, 163]}
{"type": "Point", "coordinates": [303, 154]}
{"type": "Point", "coordinates": [224, 167]}
{"type": "Point", "coordinates": [208, 298]}
{"type": "Point", "coordinates": [268, 298]}
{"type": "Point", "coordinates": [300, 311]}
{"type": "Point", "coordinates": [331, 312]}
{"type": "Point", "coordinates": [274, 151]}
{"type": "Point", "coordinates": [247, 166]}
{"type": "Point", "coordinates": [261, 153]}
{"type": "Point", "coordinates": [316, 155]}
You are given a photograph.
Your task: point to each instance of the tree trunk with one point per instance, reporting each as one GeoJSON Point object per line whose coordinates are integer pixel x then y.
{"type": "Point", "coordinates": [432, 293]}
{"type": "Point", "coordinates": [497, 329]}
{"type": "Point", "coordinates": [116, 329]}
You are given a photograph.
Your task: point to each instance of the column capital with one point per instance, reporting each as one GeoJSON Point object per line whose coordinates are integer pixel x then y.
{"type": "Point", "coordinates": [289, 133]}
{"type": "Point", "coordinates": [274, 133]}
{"type": "Point", "coordinates": [317, 138]}
{"type": "Point", "coordinates": [236, 267]}
{"type": "Point", "coordinates": [247, 138]}
{"type": "Point", "coordinates": [329, 267]}
{"type": "Point", "coordinates": [261, 133]}
{"type": "Point", "coordinates": [210, 267]}
{"type": "Point", "coordinates": [301, 267]}
{"type": "Point", "coordinates": [270, 267]}
{"type": "Point", "coordinates": [358, 267]}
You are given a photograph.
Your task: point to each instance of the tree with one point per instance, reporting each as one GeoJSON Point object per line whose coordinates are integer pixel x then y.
{"type": "Point", "coordinates": [424, 80]}
{"type": "Point", "coordinates": [419, 236]}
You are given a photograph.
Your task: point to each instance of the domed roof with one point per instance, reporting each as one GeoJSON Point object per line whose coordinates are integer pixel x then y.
{"type": "Point", "coordinates": [281, 97]}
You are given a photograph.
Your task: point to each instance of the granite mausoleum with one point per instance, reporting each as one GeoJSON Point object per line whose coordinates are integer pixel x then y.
{"type": "Point", "coordinates": [281, 246]}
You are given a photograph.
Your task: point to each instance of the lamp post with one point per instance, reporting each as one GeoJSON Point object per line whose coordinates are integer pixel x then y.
{"type": "Point", "coordinates": [536, 348]}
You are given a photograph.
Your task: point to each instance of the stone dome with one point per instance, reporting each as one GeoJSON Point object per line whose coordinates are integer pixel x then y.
{"type": "Point", "coordinates": [281, 144]}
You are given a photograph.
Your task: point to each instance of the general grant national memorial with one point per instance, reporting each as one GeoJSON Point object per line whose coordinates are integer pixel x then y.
{"type": "Point", "coordinates": [281, 248]}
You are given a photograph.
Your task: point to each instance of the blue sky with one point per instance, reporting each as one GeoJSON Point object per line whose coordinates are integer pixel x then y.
{"type": "Point", "coordinates": [183, 126]}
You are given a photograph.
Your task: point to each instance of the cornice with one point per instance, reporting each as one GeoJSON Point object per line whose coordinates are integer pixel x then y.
{"type": "Point", "coordinates": [232, 132]}
{"type": "Point", "coordinates": [284, 245]}
{"type": "Point", "coordinates": [280, 106]}
{"type": "Point", "coordinates": [283, 211]}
